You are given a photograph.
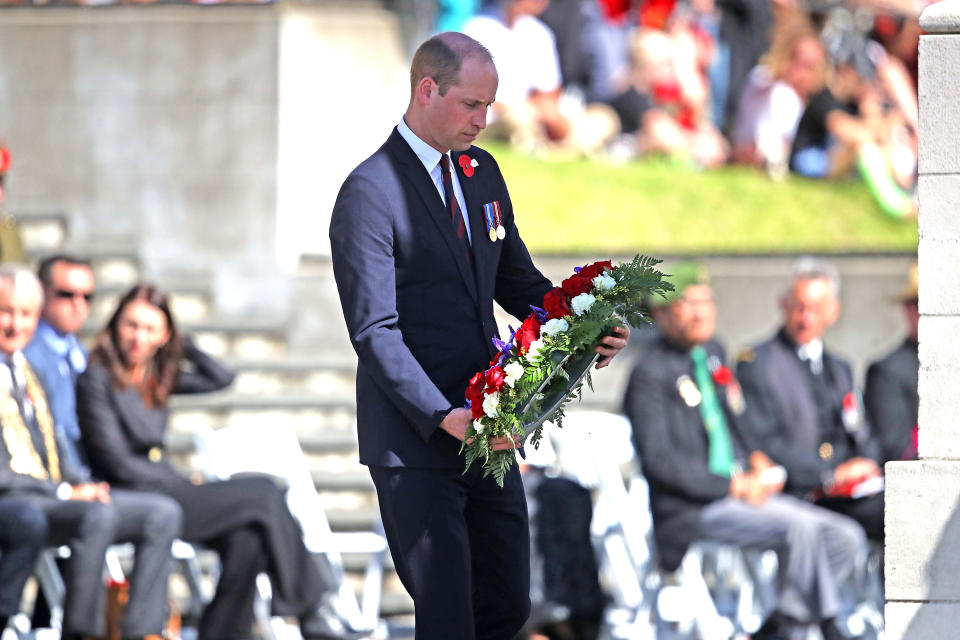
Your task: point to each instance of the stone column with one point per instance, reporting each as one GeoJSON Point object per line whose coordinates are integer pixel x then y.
{"type": "Point", "coordinates": [923, 497]}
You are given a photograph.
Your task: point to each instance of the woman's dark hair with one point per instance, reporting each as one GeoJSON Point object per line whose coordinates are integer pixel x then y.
{"type": "Point", "coordinates": [164, 367]}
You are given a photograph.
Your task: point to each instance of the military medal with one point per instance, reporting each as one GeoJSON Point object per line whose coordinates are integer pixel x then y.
{"type": "Point", "coordinates": [688, 391]}
{"type": "Point", "coordinates": [493, 219]}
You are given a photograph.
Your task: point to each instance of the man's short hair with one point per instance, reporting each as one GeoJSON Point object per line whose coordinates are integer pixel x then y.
{"type": "Point", "coordinates": [810, 268]}
{"type": "Point", "coordinates": [441, 56]}
{"type": "Point", "coordinates": [45, 269]}
{"type": "Point", "coordinates": [20, 277]}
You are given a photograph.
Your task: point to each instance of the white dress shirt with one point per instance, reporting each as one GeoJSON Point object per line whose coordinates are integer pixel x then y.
{"type": "Point", "coordinates": [430, 158]}
{"type": "Point", "coordinates": [812, 353]}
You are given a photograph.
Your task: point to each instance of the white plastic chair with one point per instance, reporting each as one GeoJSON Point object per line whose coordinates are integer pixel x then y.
{"type": "Point", "coordinates": [275, 451]}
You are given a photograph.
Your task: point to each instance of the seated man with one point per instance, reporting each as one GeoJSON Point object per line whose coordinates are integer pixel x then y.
{"type": "Point", "coordinates": [23, 531]}
{"type": "Point", "coordinates": [685, 406]}
{"type": "Point", "coordinates": [83, 514]}
{"type": "Point", "coordinates": [803, 409]}
{"type": "Point", "coordinates": [891, 396]}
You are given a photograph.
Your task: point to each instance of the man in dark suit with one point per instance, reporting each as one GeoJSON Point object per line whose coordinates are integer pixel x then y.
{"type": "Point", "coordinates": [891, 395]}
{"type": "Point", "coordinates": [803, 408]}
{"type": "Point", "coordinates": [705, 484]}
{"type": "Point", "coordinates": [420, 253]}
{"type": "Point", "coordinates": [81, 513]}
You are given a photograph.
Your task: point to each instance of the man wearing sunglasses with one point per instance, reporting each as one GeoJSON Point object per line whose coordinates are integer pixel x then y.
{"type": "Point", "coordinates": [55, 353]}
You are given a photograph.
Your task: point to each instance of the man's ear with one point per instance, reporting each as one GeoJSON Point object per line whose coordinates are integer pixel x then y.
{"type": "Point", "coordinates": [425, 89]}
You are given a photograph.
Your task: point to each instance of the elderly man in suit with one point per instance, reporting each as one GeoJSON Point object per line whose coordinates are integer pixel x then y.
{"type": "Point", "coordinates": [803, 408]}
{"type": "Point", "coordinates": [420, 253]}
{"type": "Point", "coordinates": [84, 514]}
{"type": "Point", "coordinates": [706, 484]}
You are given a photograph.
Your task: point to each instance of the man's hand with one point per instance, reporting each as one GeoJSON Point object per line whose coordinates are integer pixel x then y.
{"type": "Point", "coordinates": [854, 470]}
{"type": "Point", "coordinates": [610, 346]}
{"type": "Point", "coordinates": [456, 424]}
{"type": "Point", "coordinates": [750, 488]}
{"type": "Point", "coordinates": [91, 492]}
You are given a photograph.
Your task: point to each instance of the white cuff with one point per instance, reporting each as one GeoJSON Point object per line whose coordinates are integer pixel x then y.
{"type": "Point", "coordinates": [64, 491]}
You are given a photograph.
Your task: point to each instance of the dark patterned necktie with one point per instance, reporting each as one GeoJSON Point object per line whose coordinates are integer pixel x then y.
{"type": "Point", "coordinates": [454, 208]}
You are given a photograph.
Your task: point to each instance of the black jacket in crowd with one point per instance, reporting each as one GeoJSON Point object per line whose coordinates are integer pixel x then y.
{"type": "Point", "coordinates": [802, 425]}
{"type": "Point", "coordinates": [672, 444]}
{"type": "Point", "coordinates": [892, 400]}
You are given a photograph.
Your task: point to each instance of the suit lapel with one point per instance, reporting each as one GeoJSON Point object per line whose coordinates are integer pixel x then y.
{"type": "Point", "coordinates": [482, 248]}
{"type": "Point", "coordinates": [414, 172]}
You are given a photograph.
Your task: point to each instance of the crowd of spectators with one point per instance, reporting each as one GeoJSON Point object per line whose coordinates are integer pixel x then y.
{"type": "Point", "coordinates": [822, 89]}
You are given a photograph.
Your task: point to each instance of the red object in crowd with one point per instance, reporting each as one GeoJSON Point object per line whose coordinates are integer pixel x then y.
{"type": "Point", "coordinates": [654, 14]}
{"type": "Point", "coordinates": [615, 10]}
{"type": "Point", "coordinates": [4, 159]}
{"type": "Point", "coordinates": [722, 376]}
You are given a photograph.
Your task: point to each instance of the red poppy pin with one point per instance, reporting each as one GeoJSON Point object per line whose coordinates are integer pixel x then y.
{"type": "Point", "coordinates": [467, 165]}
{"type": "Point", "coordinates": [722, 376]}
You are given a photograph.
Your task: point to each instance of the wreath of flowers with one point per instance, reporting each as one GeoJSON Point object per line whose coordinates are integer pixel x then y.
{"type": "Point", "coordinates": [516, 394]}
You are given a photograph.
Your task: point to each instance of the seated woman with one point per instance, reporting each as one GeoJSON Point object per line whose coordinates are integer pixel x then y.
{"type": "Point", "coordinates": [122, 408]}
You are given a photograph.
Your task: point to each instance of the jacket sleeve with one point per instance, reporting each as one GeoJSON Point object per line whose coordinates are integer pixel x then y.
{"type": "Point", "coordinates": [19, 483]}
{"type": "Point", "coordinates": [362, 244]}
{"type": "Point", "coordinates": [207, 375]}
{"type": "Point", "coordinates": [647, 406]}
{"type": "Point", "coordinates": [103, 435]}
{"type": "Point", "coordinates": [762, 429]}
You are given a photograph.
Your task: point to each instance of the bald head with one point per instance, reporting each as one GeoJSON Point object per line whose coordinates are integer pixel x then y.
{"type": "Point", "coordinates": [441, 58]}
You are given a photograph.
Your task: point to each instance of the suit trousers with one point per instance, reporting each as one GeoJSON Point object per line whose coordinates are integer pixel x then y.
{"type": "Point", "coordinates": [817, 548]}
{"type": "Point", "coordinates": [148, 520]}
{"type": "Point", "coordinates": [461, 546]}
{"type": "Point", "coordinates": [868, 511]}
{"type": "Point", "coordinates": [23, 530]}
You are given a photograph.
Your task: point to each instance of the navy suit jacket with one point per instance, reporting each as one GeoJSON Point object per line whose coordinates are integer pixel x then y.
{"type": "Point", "coordinates": [419, 317]}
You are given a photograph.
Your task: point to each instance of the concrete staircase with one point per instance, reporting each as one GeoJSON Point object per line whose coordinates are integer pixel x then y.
{"type": "Point", "coordinates": [273, 385]}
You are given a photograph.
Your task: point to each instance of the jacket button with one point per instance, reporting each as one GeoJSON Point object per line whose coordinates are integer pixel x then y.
{"type": "Point", "coordinates": [155, 454]}
{"type": "Point", "coordinates": [826, 451]}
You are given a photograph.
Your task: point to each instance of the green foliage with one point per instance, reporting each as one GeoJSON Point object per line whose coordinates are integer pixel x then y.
{"type": "Point", "coordinates": [657, 206]}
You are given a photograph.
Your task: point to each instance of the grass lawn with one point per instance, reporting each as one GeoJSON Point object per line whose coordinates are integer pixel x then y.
{"type": "Point", "coordinates": [655, 206]}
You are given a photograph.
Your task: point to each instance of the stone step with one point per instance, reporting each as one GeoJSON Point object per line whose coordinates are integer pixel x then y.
{"type": "Point", "coordinates": [308, 413]}
{"type": "Point", "coordinates": [323, 376]}
{"type": "Point", "coordinates": [42, 232]}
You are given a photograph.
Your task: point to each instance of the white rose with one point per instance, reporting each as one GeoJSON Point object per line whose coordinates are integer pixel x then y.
{"type": "Point", "coordinates": [582, 303]}
{"type": "Point", "coordinates": [490, 404]}
{"type": "Point", "coordinates": [554, 326]}
{"type": "Point", "coordinates": [604, 282]}
{"type": "Point", "coordinates": [534, 350]}
{"type": "Point", "coordinates": [478, 426]}
{"type": "Point", "coordinates": [513, 371]}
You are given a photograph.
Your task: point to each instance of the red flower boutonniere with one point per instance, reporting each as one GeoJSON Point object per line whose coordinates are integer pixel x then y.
{"type": "Point", "coordinates": [467, 165]}
{"type": "Point", "coordinates": [722, 376]}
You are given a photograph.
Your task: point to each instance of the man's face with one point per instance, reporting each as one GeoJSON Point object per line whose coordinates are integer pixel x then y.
{"type": "Point", "coordinates": [809, 309]}
{"type": "Point", "coordinates": [67, 297]}
{"type": "Point", "coordinates": [19, 312]}
{"type": "Point", "coordinates": [806, 66]}
{"type": "Point", "coordinates": [453, 121]}
{"type": "Point", "coordinates": [691, 319]}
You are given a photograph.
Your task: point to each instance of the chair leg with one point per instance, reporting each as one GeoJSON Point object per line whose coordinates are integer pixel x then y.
{"type": "Point", "coordinates": [52, 587]}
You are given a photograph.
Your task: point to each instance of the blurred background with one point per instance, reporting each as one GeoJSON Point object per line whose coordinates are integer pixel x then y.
{"type": "Point", "coordinates": [200, 145]}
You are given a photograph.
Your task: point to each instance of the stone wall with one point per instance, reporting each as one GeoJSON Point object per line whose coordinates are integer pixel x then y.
{"type": "Point", "coordinates": [922, 499]}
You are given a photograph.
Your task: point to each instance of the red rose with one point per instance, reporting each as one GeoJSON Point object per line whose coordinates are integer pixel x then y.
{"type": "Point", "coordinates": [850, 402]}
{"type": "Point", "coordinates": [474, 394]}
{"type": "Point", "coordinates": [591, 271]}
{"type": "Point", "coordinates": [527, 333]}
{"type": "Point", "coordinates": [556, 304]}
{"type": "Point", "coordinates": [576, 284]}
{"type": "Point", "coordinates": [496, 378]}
{"type": "Point", "coordinates": [722, 376]}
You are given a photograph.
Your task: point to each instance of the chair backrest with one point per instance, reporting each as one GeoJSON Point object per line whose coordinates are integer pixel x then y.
{"type": "Point", "coordinates": [274, 452]}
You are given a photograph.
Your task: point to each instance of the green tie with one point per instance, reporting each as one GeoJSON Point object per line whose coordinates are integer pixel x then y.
{"type": "Point", "coordinates": [721, 449]}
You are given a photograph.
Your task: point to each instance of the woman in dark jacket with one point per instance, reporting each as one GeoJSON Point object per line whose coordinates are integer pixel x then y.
{"type": "Point", "coordinates": [122, 405]}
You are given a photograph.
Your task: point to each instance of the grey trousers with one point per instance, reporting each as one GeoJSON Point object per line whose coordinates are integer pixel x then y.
{"type": "Point", "coordinates": [817, 548]}
{"type": "Point", "coordinates": [150, 521]}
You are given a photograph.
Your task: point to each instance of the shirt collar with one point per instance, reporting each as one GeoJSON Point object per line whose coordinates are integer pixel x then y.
{"type": "Point", "coordinates": [812, 351]}
{"type": "Point", "coordinates": [61, 344]}
{"type": "Point", "coordinates": [429, 156]}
